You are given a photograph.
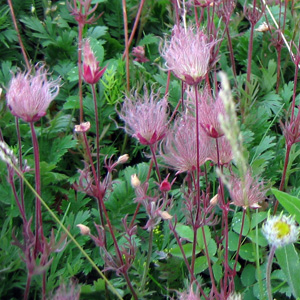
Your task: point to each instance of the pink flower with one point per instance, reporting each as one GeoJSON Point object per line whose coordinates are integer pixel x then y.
{"type": "Point", "coordinates": [209, 110]}
{"type": "Point", "coordinates": [179, 150]}
{"type": "Point", "coordinates": [247, 194]}
{"type": "Point", "coordinates": [225, 153]}
{"type": "Point", "coordinates": [91, 70]}
{"type": "Point", "coordinates": [29, 96]}
{"type": "Point", "coordinates": [187, 54]}
{"type": "Point", "coordinates": [139, 53]}
{"type": "Point", "coordinates": [145, 117]}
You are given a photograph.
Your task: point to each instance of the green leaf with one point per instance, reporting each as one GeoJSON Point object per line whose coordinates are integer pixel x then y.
{"type": "Point", "coordinates": [237, 223]}
{"type": "Point", "coordinates": [60, 147]}
{"type": "Point", "coordinates": [248, 275]}
{"type": "Point", "coordinates": [187, 248]}
{"type": "Point", "coordinates": [288, 259]}
{"type": "Point", "coordinates": [200, 264]}
{"type": "Point", "coordinates": [217, 269]}
{"type": "Point", "coordinates": [247, 252]}
{"type": "Point", "coordinates": [200, 240]}
{"type": "Point", "coordinates": [290, 203]}
{"type": "Point", "coordinates": [185, 232]}
{"type": "Point", "coordinates": [269, 76]}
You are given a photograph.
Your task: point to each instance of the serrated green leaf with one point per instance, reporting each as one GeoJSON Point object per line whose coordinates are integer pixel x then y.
{"type": "Point", "coordinates": [288, 259]}
{"type": "Point", "coordinates": [290, 203]}
{"type": "Point", "coordinates": [60, 147]}
{"type": "Point", "coordinates": [200, 264]}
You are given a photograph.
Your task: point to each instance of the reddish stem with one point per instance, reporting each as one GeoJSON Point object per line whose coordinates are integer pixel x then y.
{"type": "Point", "coordinates": [18, 34]}
{"type": "Point", "coordinates": [126, 43]}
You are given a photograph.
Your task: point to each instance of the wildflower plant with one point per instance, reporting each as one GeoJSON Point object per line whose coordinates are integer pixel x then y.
{"type": "Point", "coordinates": [153, 192]}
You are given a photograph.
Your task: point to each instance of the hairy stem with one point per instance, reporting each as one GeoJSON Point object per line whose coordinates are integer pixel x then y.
{"type": "Point", "coordinates": [268, 274]}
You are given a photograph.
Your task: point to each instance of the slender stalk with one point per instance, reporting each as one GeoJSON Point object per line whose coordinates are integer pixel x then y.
{"type": "Point", "coordinates": [286, 161]}
{"type": "Point", "coordinates": [197, 186]}
{"type": "Point", "coordinates": [18, 34]}
{"type": "Point", "coordinates": [250, 50]}
{"type": "Point", "coordinates": [268, 275]}
{"type": "Point", "coordinates": [38, 210]}
{"type": "Point", "coordinates": [102, 205]}
{"type": "Point", "coordinates": [135, 25]}
{"type": "Point", "coordinates": [27, 289]}
{"type": "Point", "coordinates": [126, 43]}
{"type": "Point", "coordinates": [21, 165]}
{"type": "Point", "coordinates": [80, 30]}
{"type": "Point", "coordinates": [148, 259]}
{"type": "Point", "coordinates": [155, 162]}
{"type": "Point", "coordinates": [97, 130]}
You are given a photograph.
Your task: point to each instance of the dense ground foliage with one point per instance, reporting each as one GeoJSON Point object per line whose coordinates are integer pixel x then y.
{"type": "Point", "coordinates": [149, 149]}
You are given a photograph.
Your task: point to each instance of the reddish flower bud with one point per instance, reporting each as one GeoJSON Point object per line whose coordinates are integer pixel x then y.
{"type": "Point", "coordinates": [91, 70]}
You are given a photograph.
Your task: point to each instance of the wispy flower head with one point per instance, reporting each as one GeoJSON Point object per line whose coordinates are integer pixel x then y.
{"type": "Point", "coordinates": [187, 54]}
{"type": "Point", "coordinates": [179, 150]}
{"type": "Point", "coordinates": [209, 110]}
{"type": "Point", "coordinates": [247, 192]}
{"type": "Point", "coordinates": [281, 230]}
{"type": "Point", "coordinates": [145, 117]}
{"type": "Point", "coordinates": [225, 153]}
{"type": "Point", "coordinates": [29, 96]}
{"type": "Point", "coordinates": [91, 70]}
{"type": "Point", "coordinates": [70, 292]}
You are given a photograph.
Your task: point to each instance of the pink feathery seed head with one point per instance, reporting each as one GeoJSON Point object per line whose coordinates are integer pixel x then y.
{"type": "Point", "coordinates": [179, 150]}
{"type": "Point", "coordinates": [225, 153]}
{"type": "Point", "coordinates": [187, 54]}
{"type": "Point", "coordinates": [248, 193]}
{"type": "Point", "coordinates": [145, 116]}
{"type": "Point", "coordinates": [209, 110]}
{"type": "Point", "coordinates": [29, 96]}
{"type": "Point", "coordinates": [91, 70]}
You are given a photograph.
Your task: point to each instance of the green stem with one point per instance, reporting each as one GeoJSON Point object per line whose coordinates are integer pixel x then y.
{"type": "Point", "coordinates": [148, 260]}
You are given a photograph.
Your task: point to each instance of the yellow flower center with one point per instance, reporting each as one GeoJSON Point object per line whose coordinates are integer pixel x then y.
{"type": "Point", "coordinates": [283, 229]}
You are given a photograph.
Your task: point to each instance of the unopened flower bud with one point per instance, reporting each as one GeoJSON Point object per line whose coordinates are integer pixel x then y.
{"type": "Point", "coordinates": [165, 215]}
{"type": "Point", "coordinates": [123, 159]}
{"type": "Point", "coordinates": [165, 185]}
{"type": "Point", "coordinates": [84, 230]}
{"type": "Point", "coordinates": [263, 27]}
{"type": "Point", "coordinates": [135, 182]}
{"type": "Point", "coordinates": [214, 200]}
{"type": "Point", "coordinates": [83, 127]}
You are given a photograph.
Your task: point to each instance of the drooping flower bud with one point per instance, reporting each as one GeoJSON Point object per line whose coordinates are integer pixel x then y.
{"type": "Point", "coordinates": [91, 70]}
{"type": "Point", "coordinates": [84, 230]}
{"type": "Point", "coordinates": [135, 182]}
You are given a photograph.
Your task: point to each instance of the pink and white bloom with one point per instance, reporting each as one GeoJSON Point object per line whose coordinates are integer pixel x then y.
{"type": "Point", "coordinates": [248, 193]}
{"type": "Point", "coordinates": [209, 110]}
{"type": "Point", "coordinates": [29, 96]}
{"type": "Point", "coordinates": [224, 148]}
{"type": "Point", "coordinates": [187, 54]}
{"type": "Point", "coordinates": [91, 70]}
{"type": "Point", "coordinates": [179, 151]}
{"type": "Point", "coordinates": [145, 117]}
